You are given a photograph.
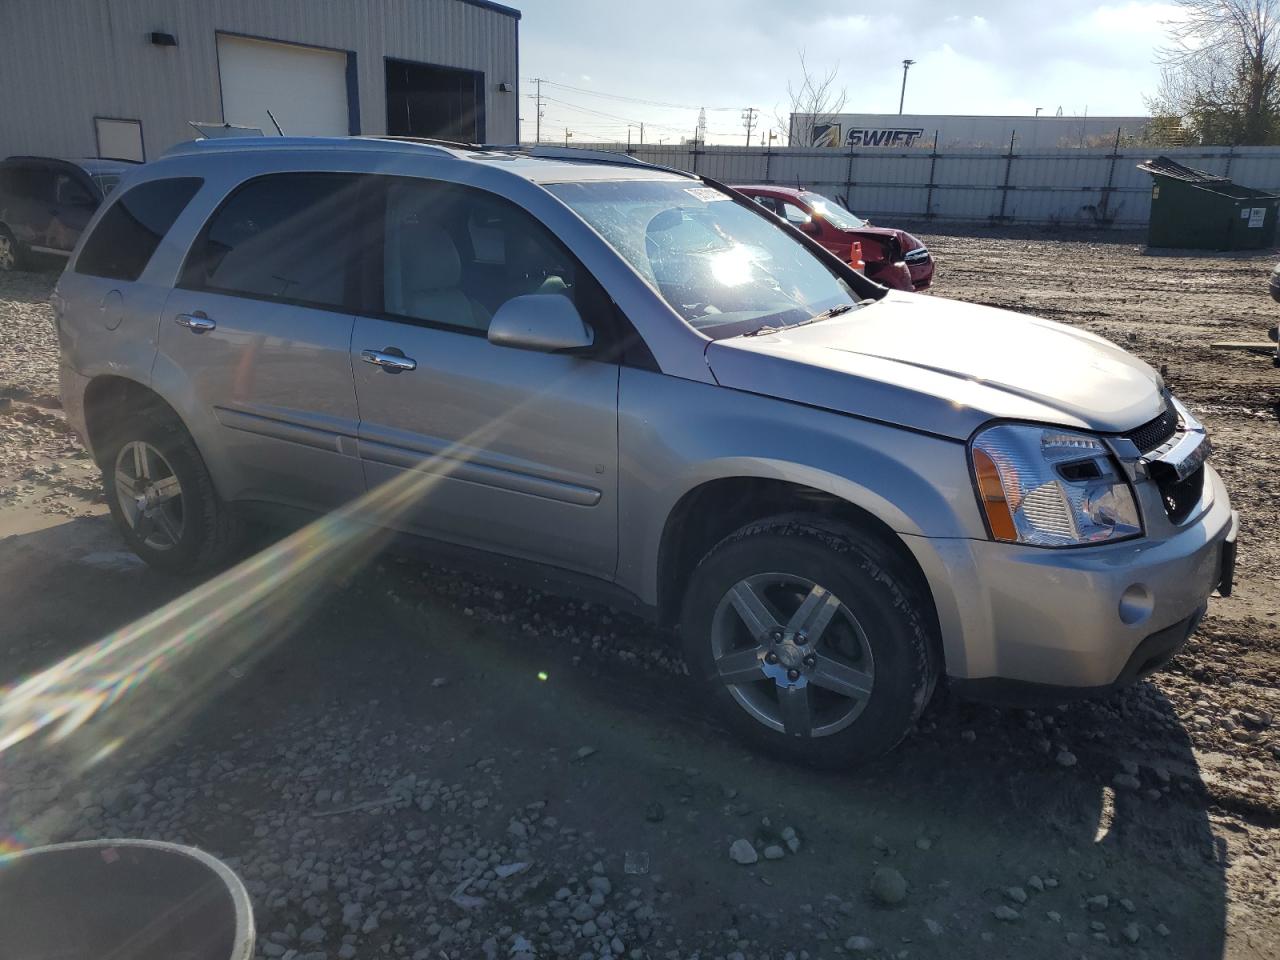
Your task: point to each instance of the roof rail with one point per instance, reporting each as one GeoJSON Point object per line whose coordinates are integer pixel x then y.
{"type": "Point", "coordinates": [239, 144]}
{"type": "Point", "coordinates": [445, 148]}
{"type": "Point", "coordinates": [552, 152]}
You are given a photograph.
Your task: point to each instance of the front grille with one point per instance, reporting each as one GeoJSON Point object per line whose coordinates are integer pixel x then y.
{"type": "Point", "coordinates": [1155, 433]}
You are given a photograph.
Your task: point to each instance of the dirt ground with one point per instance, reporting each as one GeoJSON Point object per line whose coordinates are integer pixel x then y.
{"type": "Point", "coordinates": [404, 762]}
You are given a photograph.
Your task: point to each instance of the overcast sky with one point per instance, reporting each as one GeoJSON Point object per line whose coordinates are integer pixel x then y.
{"type": "Point", "coordinates": [983, 57]}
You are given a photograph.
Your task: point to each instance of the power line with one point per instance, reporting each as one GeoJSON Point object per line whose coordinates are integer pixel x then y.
{"type": "Point", "coordinates": [631, 120]}
{"type": "Point", "coordinates": [651, 103]}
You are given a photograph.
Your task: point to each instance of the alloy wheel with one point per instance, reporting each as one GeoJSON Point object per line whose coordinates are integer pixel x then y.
{"type": "Point", "coordinates": [792, 655]}
{"type": "Point", "coordinates": [150, 495]}
{"type": "Point", "coordinates": [7, 258]}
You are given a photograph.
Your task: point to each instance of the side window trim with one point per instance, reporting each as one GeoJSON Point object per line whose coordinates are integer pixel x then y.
{"type": "Point", "coordinates": [353, 268]}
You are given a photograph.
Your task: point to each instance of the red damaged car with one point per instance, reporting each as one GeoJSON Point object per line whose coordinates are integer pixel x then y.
{"type": "Point", "coordinates": [894, 257]}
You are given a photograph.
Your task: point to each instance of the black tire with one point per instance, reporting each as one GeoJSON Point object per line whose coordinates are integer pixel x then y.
{"type": "Point", "coordinates": [17, 258]}
{"type": "Point", "coordinates": [210, 531]}
{"type": "Point", "coordinates": [872, 582]}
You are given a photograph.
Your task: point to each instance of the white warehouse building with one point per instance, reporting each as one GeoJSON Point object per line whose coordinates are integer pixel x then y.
{"type": "Point", "coordinates": [916, 131]}
{"type": "Point", "coordinates": [126, 79]}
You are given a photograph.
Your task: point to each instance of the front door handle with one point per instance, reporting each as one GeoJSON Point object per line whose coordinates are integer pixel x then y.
{"type": "Point", "coordinates": [195, 322]}
{"type": "Point", "coordinates": [391, 360]}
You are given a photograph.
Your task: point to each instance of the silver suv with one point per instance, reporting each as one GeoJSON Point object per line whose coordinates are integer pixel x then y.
{"type": "Point", "coordinates": [617, 375]}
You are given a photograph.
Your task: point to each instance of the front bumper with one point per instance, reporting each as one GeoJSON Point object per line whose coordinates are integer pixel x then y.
{"type": "Point", "coordinates": [1015, 616]}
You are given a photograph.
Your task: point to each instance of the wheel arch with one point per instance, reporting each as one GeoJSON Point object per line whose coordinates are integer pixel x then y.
{"type": "Point", "coordinates": [700, 519]}
{"type": "Point", "coordinates": [110, 397]}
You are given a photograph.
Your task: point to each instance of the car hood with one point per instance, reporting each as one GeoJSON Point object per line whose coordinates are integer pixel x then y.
{"type": "Point", "coordinates": [945, 367]}
{"type": "Point", "coordinates": [906, 242]}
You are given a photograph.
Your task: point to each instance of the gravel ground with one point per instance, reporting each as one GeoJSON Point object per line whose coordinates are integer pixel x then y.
{"type": "Point", "coordinates": [479, 770]}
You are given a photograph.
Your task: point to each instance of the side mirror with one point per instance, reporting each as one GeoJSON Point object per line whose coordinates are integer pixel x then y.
{"type": "Point", "coordinates": [810, 226]}
{"type": "Point", "coordinates": [547, 322]}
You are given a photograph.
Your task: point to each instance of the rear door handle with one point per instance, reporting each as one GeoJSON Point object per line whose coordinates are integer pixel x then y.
{"type": "Point", "coordinates": [195, 322]}
{"type": "Point", "coordinates": [391, 360]}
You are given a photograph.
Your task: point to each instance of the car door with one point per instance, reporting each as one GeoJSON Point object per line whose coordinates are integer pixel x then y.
{"type": "Point", "coordinates": [74, 200]}
{"type": "Point", "coordinates": [259, 329]}
{"type": "Point", "coordinates": [508, 450]}
{"type": "Point", "coordinates": [31, 203]}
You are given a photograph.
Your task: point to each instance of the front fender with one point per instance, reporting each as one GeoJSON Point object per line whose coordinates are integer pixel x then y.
{"type": "Point", "coordinates": [676, 435]}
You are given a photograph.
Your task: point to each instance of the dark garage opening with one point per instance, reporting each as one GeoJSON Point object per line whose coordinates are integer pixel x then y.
{"type": "Point", "coordinates": [429, 101]}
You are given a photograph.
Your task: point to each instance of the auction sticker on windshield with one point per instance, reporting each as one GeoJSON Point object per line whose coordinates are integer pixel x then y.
{"type": "Point", "coordinates": [706, 194]}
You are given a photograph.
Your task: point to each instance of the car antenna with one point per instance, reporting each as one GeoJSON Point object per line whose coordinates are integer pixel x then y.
{"type": "Point", "coordinates": [275, 121]}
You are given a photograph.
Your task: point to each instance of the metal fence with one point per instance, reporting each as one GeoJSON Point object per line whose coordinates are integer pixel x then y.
{"type": "Point", "coordinates": [1094, 187]}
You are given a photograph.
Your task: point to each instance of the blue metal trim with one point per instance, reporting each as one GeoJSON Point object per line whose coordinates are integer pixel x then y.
{"type": "Point", "coordinates": [353, 95]}
{"type": "Point", "coordinates": [495, 7]}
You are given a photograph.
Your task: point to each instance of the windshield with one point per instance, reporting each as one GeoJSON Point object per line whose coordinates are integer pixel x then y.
{"type": "Point", "coordinates": [106, 182]}
{"type": "Point", "coordinates": [833, 213]}
{"type": "Point", "coordinates": [724, 268]}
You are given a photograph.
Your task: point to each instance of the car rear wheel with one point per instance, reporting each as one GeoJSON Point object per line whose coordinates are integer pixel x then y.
{"type": "Point", "coordinates": [162, 497]}
{"type": "Point", "coordinates": [812, 638]}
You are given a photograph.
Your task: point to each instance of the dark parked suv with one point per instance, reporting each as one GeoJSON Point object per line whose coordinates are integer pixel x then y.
{"type": "Point", "coordinates": [45, 203]}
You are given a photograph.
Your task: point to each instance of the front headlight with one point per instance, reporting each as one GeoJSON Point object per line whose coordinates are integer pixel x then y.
{"type": "Point", "coordinates": [1051, 487]}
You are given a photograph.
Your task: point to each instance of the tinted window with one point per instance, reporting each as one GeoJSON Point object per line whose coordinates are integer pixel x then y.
{"type": "Point", "coordinates": [31, 182]}
{"type": "Point", "coordinates": [70, 191]}
{"type": "Point", "coordinates": [133, 226]}
{"type": "Point", "coordinates": [288, 237]}
{"type": "Point", "coordinates": [454, 255]}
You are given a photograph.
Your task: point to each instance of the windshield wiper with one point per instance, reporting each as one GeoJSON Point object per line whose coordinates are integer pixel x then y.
{"type": "Point", "coordinates": [828, 314]}
{"type": "Point", "coordinates": [824, 315]}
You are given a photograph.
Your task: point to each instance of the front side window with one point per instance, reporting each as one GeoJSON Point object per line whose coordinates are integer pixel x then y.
{"type": "Point", "coordinates": [795, 215]}
{"type": "Point", "coordinates": [291, 237]}
{"type": "Point", "coordinates": [723, 268]}
{"type": "Point", "coordinates": [70, 191]}
{"type": "Point", "coordinates": [129, 232]}
{"type": "Point", "coordinates": [106, 182]}
{"type": "Point", "coordinates": [453, 255]}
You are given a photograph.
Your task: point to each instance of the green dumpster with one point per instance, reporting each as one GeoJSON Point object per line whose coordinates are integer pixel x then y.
{"type": "Point", "coordinates": [1194, 210]}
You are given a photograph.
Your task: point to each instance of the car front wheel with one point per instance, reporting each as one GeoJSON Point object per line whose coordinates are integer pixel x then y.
{"type": "Point", "coordinates": [813, 639]}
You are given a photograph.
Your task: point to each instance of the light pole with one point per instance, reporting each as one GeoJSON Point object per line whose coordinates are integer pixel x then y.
{"type": "Point", "coordinates": [1038, 109]}
{"type": "Point", "coordinates": [906, 65]}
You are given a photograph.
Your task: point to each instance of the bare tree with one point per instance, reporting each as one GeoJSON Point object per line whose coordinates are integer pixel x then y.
{"type": "Point", "coordinates": [1220, 73]}
{"type": "Point", "coordinates": [816, 95]}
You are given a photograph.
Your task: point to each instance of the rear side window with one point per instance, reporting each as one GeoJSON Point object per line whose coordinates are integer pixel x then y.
{"type": "Point", "coordinates": [290, 237]}
{"type": "Point", "coordinates": [133, 226]}
{"type": "Point", "coordinates": [31, 182]}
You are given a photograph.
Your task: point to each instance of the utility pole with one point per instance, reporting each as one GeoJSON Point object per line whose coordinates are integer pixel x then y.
{"type": "Point", "coordinates": [749, 120]}
{"type": "Point", "coordinates": [567, 134]}
{"type": "Point", "coordinates": [537, 124]}
{"type": "Point", "coordinates": [906, 65]}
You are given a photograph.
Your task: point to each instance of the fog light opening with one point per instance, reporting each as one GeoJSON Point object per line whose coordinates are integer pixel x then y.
{"type": "Point", "coordinates": [1136, 604]}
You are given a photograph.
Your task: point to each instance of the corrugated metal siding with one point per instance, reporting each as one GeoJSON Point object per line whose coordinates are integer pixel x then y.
{"type": "Point", "coordinates": [1066, 186]}
{"type": "Point", "coordinates": [64, 63]}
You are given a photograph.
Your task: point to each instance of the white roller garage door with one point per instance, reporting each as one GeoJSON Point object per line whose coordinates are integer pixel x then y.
{"type": "Point", "coordinates": [304, 87]}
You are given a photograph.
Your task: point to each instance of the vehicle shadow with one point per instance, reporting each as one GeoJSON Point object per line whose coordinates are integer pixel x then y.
{"type": "Point", "coordinates": [587, 710]}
